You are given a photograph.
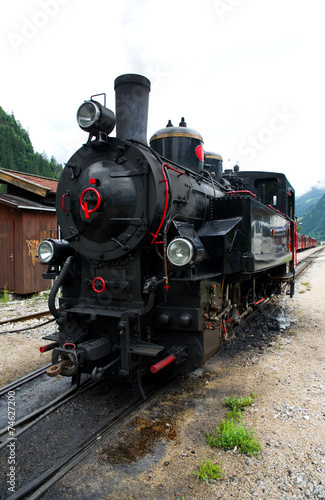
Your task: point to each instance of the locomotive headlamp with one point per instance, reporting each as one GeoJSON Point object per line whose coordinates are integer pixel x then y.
{"type": "Point", "coordinates": [180, 251]}
{"type": "Point", "coordinates": [92, 116]}
{"type": "Point", "coordinates": [45, 251]}
{"type": "Point", "coordinates": [88, 114]}
{"type": "Point", "coordinates": [51, 251]}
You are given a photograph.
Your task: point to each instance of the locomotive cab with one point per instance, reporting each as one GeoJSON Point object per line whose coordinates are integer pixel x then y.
{"type": "Point", "coordinates": [272, 189]}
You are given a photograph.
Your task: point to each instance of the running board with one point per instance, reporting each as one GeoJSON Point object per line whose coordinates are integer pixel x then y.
{"type": "Point", "coordinates": [143, 348]}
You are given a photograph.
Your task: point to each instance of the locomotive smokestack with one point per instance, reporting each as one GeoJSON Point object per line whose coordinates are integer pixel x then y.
{"type": "Point", "coordinates": [131, 104]}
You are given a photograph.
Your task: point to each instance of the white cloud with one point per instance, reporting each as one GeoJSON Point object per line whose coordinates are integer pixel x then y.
{"type": "Point", "coordinates": [225, 73]}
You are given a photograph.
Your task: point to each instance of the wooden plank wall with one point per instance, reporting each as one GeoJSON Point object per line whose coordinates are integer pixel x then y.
{"type": "Point", "coordinates": [21, 231]}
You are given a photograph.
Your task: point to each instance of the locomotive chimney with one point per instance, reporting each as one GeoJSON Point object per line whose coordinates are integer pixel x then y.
{"type": "Point", "coordinates": [131, 105]}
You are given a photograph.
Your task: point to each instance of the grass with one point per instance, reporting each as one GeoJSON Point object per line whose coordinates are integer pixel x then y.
{"type": "Point", "coordinates": [236, 404]}
{"type": "Point", "coordinates": [308, 287]}
{"type": "Point", "coordinates": [5, 295]}
{"type": "Point", "coordinates": [231, 434]}
{"type": "Point", "coordinates": [208, 470]}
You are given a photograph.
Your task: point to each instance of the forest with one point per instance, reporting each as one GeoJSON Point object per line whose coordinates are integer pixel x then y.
{"type": "Point", "coordinates": [310, 210]}
{"type": "Point", "coordinates": [17, 152]}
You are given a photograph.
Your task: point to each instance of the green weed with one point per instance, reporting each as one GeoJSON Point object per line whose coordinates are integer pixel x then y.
{"type": "Point", "coordinates": [308, 287]}
{"type": "Point", "coordinates": [236, 404]}
{"type": "Point", "coordinates": [230, 434]}
{"type": "Point", "coordinates": [5, 295]}
{"type": "Point", "coordinates": [208, 470]}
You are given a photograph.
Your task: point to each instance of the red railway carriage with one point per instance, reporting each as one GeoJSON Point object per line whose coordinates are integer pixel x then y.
{"type": "Point", "coordinates": [305, 242]}
{"type": "Point", "coordinates": [312, 242]}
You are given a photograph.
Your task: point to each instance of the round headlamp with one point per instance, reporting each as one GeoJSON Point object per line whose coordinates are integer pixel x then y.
{"type": "Point", "coordinates": [88, 115]}
{"type": "Point", "coordinates": [93, 116]}
{"type": "Point", "coordinates": [53, 251]}
{"type": "Point", "coordinates": [46, 251]}
{"type": "Point", "coordinates": [180, 252]}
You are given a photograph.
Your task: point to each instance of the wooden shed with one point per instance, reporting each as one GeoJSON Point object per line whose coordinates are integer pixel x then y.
{"type": "Point", "coordinates": [27, 215]}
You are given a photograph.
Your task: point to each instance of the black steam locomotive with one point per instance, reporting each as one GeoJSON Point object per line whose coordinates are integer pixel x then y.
{"type": "Point", "coordinates": [160, 252]}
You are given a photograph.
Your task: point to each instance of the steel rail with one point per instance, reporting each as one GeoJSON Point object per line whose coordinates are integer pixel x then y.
{"type": "Point", "coordinates": [35, 416]}
{"type": "Point", "coordinates": [48, 478]}
{"type": "Point", "coordinates": [25, 317]}
{"type": "Point", "coordinates": [23, 380]}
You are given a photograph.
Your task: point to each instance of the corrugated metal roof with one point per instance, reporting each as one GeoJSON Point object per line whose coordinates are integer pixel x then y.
{"type": "Point", "coordinates": [23, 203]}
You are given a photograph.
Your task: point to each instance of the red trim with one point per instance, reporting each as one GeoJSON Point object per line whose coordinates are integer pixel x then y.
{"type": "Point", "coordinates": [101, 281]}
{"type": "Point", "coordinates": [259, 302]}
{"type": "Point", "coordinates": [70, 345]}
{"type": "Point", "coordinates": [161, 364]}
{"type": "Point", "coordinates": [85, 206]}
{"type": "Point", "coordinates": [199, 151]}
{"type": "Point", "coordinates": [180, 172]}
{"type": "Point", "coordinates": [294, 242]}
{"type": "Point", "coordinates": [63, 201]}
{"type": "Point", "coordinates": [48, 347]}
{"type": "Point", "coordinates": [275, 210]}
{"type": "Point", "coordinates": [241, 192]}
{"type": "Point", "coordinates": [165, 180]}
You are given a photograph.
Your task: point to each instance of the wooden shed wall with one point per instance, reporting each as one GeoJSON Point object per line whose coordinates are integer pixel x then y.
{"type": "Point", "coordinates": [21, 232]}
{"type": "Point", "coordinates": [7, 238]}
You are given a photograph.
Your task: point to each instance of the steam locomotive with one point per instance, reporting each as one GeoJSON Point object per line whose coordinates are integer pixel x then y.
{"type": "Point", "coordinates": [160, 252]}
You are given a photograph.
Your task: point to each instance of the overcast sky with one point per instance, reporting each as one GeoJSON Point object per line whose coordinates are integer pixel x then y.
{"type": "Point", "coordinates": [247, 74]}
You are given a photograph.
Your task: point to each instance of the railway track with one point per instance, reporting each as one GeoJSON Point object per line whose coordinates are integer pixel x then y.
{"type": "Point", "coordinates": [22, 319]}
{"type": "Point", "coordinates": [307, 261]}
{"type": "Point", "coordinates": [37, 487]}
{"type": "Point", "coordinates": [25, 317]}
{"type": "Point", "coordinates": [23, 380]}
{"type": "Point", "coordinates": [34, 417]}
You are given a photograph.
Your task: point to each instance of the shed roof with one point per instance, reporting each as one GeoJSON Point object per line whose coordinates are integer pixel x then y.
{"type": "Point", "coordinates": [23, 203]}
{"type": "Point", "coordinates": [35, 184]}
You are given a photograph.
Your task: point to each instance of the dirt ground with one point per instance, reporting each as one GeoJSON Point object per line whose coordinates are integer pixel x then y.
{"type": "Point", "coordinates": [20, 351]}
{"type": "Point", "coordinates": [286, 372]}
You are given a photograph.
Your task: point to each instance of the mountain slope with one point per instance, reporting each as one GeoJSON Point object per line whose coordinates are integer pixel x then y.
{"type": "Point", "coordinates": [313, 223]}
{"type": "Point", "coordinates": [17, 152]}
{"type": "Point", "coordinates": [307, 201]}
